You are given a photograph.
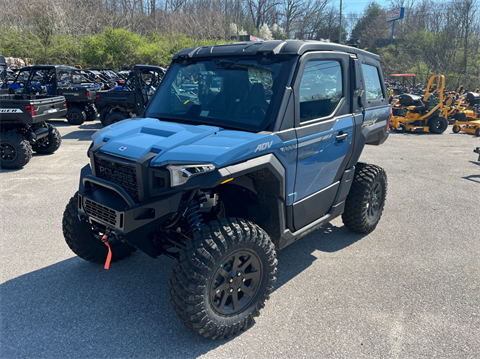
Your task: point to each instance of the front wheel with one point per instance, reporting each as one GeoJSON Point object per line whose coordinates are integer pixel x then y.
{"type": "Point", "coordinates": [223, 277]}
{"type": "Point", "coordinates": [85, 241]}
{"type": "Point", "coordinates": [366, 199]}
{"type": "Point", "coordinates": [456, 128]}
{"type": "Point", "coordinates": [49, 144]}
{"type": "Point", "coordinates": [113, 118]}
{"type": "Point", "coordinates": [103, 113]}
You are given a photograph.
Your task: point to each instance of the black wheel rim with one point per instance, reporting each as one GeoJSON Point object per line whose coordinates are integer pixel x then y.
{"type": "Point", "coordinates": [235, 282]}
{"type": "Point", "coordinates": [74, 116]}
{"type": "Point", "coordinates": [438, 125]}
{"type": "Point", "coordinates": [374, 201]}
{"type": "Point", "coordinates": [8, 152]}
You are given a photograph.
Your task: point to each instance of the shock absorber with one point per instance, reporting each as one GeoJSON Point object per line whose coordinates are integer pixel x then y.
{"type": "Point", "coordinates": [193, 215]}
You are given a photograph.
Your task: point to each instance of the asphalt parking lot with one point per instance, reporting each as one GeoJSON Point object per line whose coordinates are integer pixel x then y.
{"type": "Point", "coordinates": [410, 289]}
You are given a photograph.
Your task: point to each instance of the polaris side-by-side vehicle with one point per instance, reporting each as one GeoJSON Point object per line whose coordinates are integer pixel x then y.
{"type": "Point", "coordinates": [130, 98]}
{"type": "Point", "coordinates": [23, 128]}
{"type": "Point", "coordinates": [265, 151]}
{"type": "Point", "coordinates": [55, 80]}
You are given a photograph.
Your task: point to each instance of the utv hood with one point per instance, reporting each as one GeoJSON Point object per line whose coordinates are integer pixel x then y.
{"type": "Point", "coordinates": [180, 143]}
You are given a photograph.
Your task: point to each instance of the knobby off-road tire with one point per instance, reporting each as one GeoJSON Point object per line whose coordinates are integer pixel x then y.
{"type": "Point", "coordinates": [15, 150]}
{"type": "Point", "coordinates": [92, 114]}
{"type": "Point", "coordinates": [114, 117]}
{"type": "Point", "coordinates": [103, 113]}
{"type": "Point", "coordinates": [223, 277]}
{"type": "Point", "coordinates": [84, 242]}
{"type": "Point", "coordinates": [366, 199]}
{"type": "Point", "coordinates": [76, 116]}
{"type": "Point", "coordinates": [49, 144]}
{"type": "Point", "coordinates": [437, 125]}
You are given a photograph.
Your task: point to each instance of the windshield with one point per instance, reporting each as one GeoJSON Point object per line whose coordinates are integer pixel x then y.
{"type": "Point", "coordinates": [236, 93]}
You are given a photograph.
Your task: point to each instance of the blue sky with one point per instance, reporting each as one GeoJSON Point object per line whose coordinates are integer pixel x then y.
{"type": "Point", "coordinates": [356, 6]}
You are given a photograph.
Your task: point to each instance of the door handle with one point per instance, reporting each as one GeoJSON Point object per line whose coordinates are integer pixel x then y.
{"type": "Point", "coordinates": [341, 136]}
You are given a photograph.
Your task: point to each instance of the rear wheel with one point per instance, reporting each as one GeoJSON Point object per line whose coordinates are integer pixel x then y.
{"type": "Point", "coordinates": [92, 113]}
{"type": "Point", "coordinates": [400, 128]}
{"type": "Point", "coordinates": [76, 116]}
{"type": "Point", "coordinates": [477, 132]}
{"type": "Point", "coordinates": [15, 150]}
{"type": "Point", "coordinates": [49, 144]}
{"type": "Point", "coordinates": [437, 125]}
{"type": "Point", "coordinates": [85, 240]}
{"type": "Point", "coordinates": [223, 278]}
{"type": "Point", "coordinates": [366, 199]}
{"type": "Point", "coordinates": [114, 117]}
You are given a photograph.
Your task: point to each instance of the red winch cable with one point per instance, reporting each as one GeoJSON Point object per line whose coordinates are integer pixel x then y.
{"type": "Point", "coordinates": [109, 256]}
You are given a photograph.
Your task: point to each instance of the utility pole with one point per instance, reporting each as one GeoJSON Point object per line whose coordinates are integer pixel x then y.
{"type": "Point", "coordinates": [340, 28]}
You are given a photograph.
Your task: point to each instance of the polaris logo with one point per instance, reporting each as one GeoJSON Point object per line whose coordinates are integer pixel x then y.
{"type": "Point", "coordinates": [10, 110]}
{"type": "Point", "coordinates": [263, 146]}
{"type": "Point", "coordinates": [114, 173]}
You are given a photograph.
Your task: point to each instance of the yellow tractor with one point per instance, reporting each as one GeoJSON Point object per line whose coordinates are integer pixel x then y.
{"type": "Point", "coordinates": [425, 114]}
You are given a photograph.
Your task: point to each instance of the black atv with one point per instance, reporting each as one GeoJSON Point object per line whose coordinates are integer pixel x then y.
{"type": "Point", "coordinates": [55, 80]}
{"type": "Point", "coordinates": [131, 98]}
{"type": "Point", "coordinates": [23, 127]}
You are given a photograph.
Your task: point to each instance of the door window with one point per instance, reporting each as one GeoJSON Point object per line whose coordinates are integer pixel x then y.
{"type": "Point", "coordinates": [372, 83]}
{"type": "Point", "coordinates": [321, 89]}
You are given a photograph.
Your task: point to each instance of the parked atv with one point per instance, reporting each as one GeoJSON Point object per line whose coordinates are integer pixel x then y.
{"type": "Point", "coordinates": [131, 98]}
{"type": "Point", "coordinates": [264, 152]}
{"type": "Point", "coordinates": [57, 80]}
{"type": "Point", "coordinates": [23, 127]}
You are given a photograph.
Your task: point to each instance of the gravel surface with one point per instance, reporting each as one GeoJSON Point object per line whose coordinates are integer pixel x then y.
{"type": "Point", "coordinates": [410, 289]}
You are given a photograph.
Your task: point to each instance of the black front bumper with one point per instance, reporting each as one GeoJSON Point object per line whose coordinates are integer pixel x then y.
{"type": "Point", "coordinates": [110, 205]}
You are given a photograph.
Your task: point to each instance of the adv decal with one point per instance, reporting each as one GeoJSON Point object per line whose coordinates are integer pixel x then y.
{"type": "Point", "coordinates": [263, 146]}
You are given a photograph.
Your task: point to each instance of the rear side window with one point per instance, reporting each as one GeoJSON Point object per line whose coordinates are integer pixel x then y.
{"type": "Point", "coordinates": [372, 82]}
{"type": "Point", "coordinates": [321, 89]}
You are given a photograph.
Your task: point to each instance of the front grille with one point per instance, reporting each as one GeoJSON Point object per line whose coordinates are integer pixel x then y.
{"type": "Point", "coordinates": [100, 212]}
{"type": "Point", "coordinates": [124, 175]}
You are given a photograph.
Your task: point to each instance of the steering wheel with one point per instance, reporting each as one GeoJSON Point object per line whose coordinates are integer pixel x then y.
{"type": "Point", "coordinates": [255, 110]}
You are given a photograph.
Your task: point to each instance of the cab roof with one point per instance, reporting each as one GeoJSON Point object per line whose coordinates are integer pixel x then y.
{"type": "Point", "coordinates": [276, 47]}
{"type": "Point", "coordinates": [47, 67]}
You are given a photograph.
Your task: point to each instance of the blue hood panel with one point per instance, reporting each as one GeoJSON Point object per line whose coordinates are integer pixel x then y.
{"type": "Point", "coordinates": [181, 143]}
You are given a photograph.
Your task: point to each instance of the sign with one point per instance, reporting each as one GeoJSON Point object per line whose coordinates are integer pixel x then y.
{"type": "Point", "coordinates": [395, 14]}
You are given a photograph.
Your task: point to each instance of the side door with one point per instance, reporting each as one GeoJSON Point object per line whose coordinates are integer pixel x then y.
{"type": "Point", "coordinates": [324, 127]}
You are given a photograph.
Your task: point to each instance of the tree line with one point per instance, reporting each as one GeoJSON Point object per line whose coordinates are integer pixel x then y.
{"type": "Point", "coordinates": [434, 37]}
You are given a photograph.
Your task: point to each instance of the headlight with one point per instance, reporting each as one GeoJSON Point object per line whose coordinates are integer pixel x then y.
{"type": "Point", "coordinates": [179, 174]}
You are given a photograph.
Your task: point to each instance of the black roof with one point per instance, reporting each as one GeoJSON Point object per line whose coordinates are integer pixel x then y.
{"type": "Point", "coordinates": [276, 47]}
{"type": "Point", "coordinates": [148, 68]}
{"type": "Point", "coordinates": [47, 67]}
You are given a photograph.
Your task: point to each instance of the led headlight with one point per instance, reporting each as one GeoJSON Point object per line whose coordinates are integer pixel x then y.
{"type": "Point", "coordinates": [179, 174]}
